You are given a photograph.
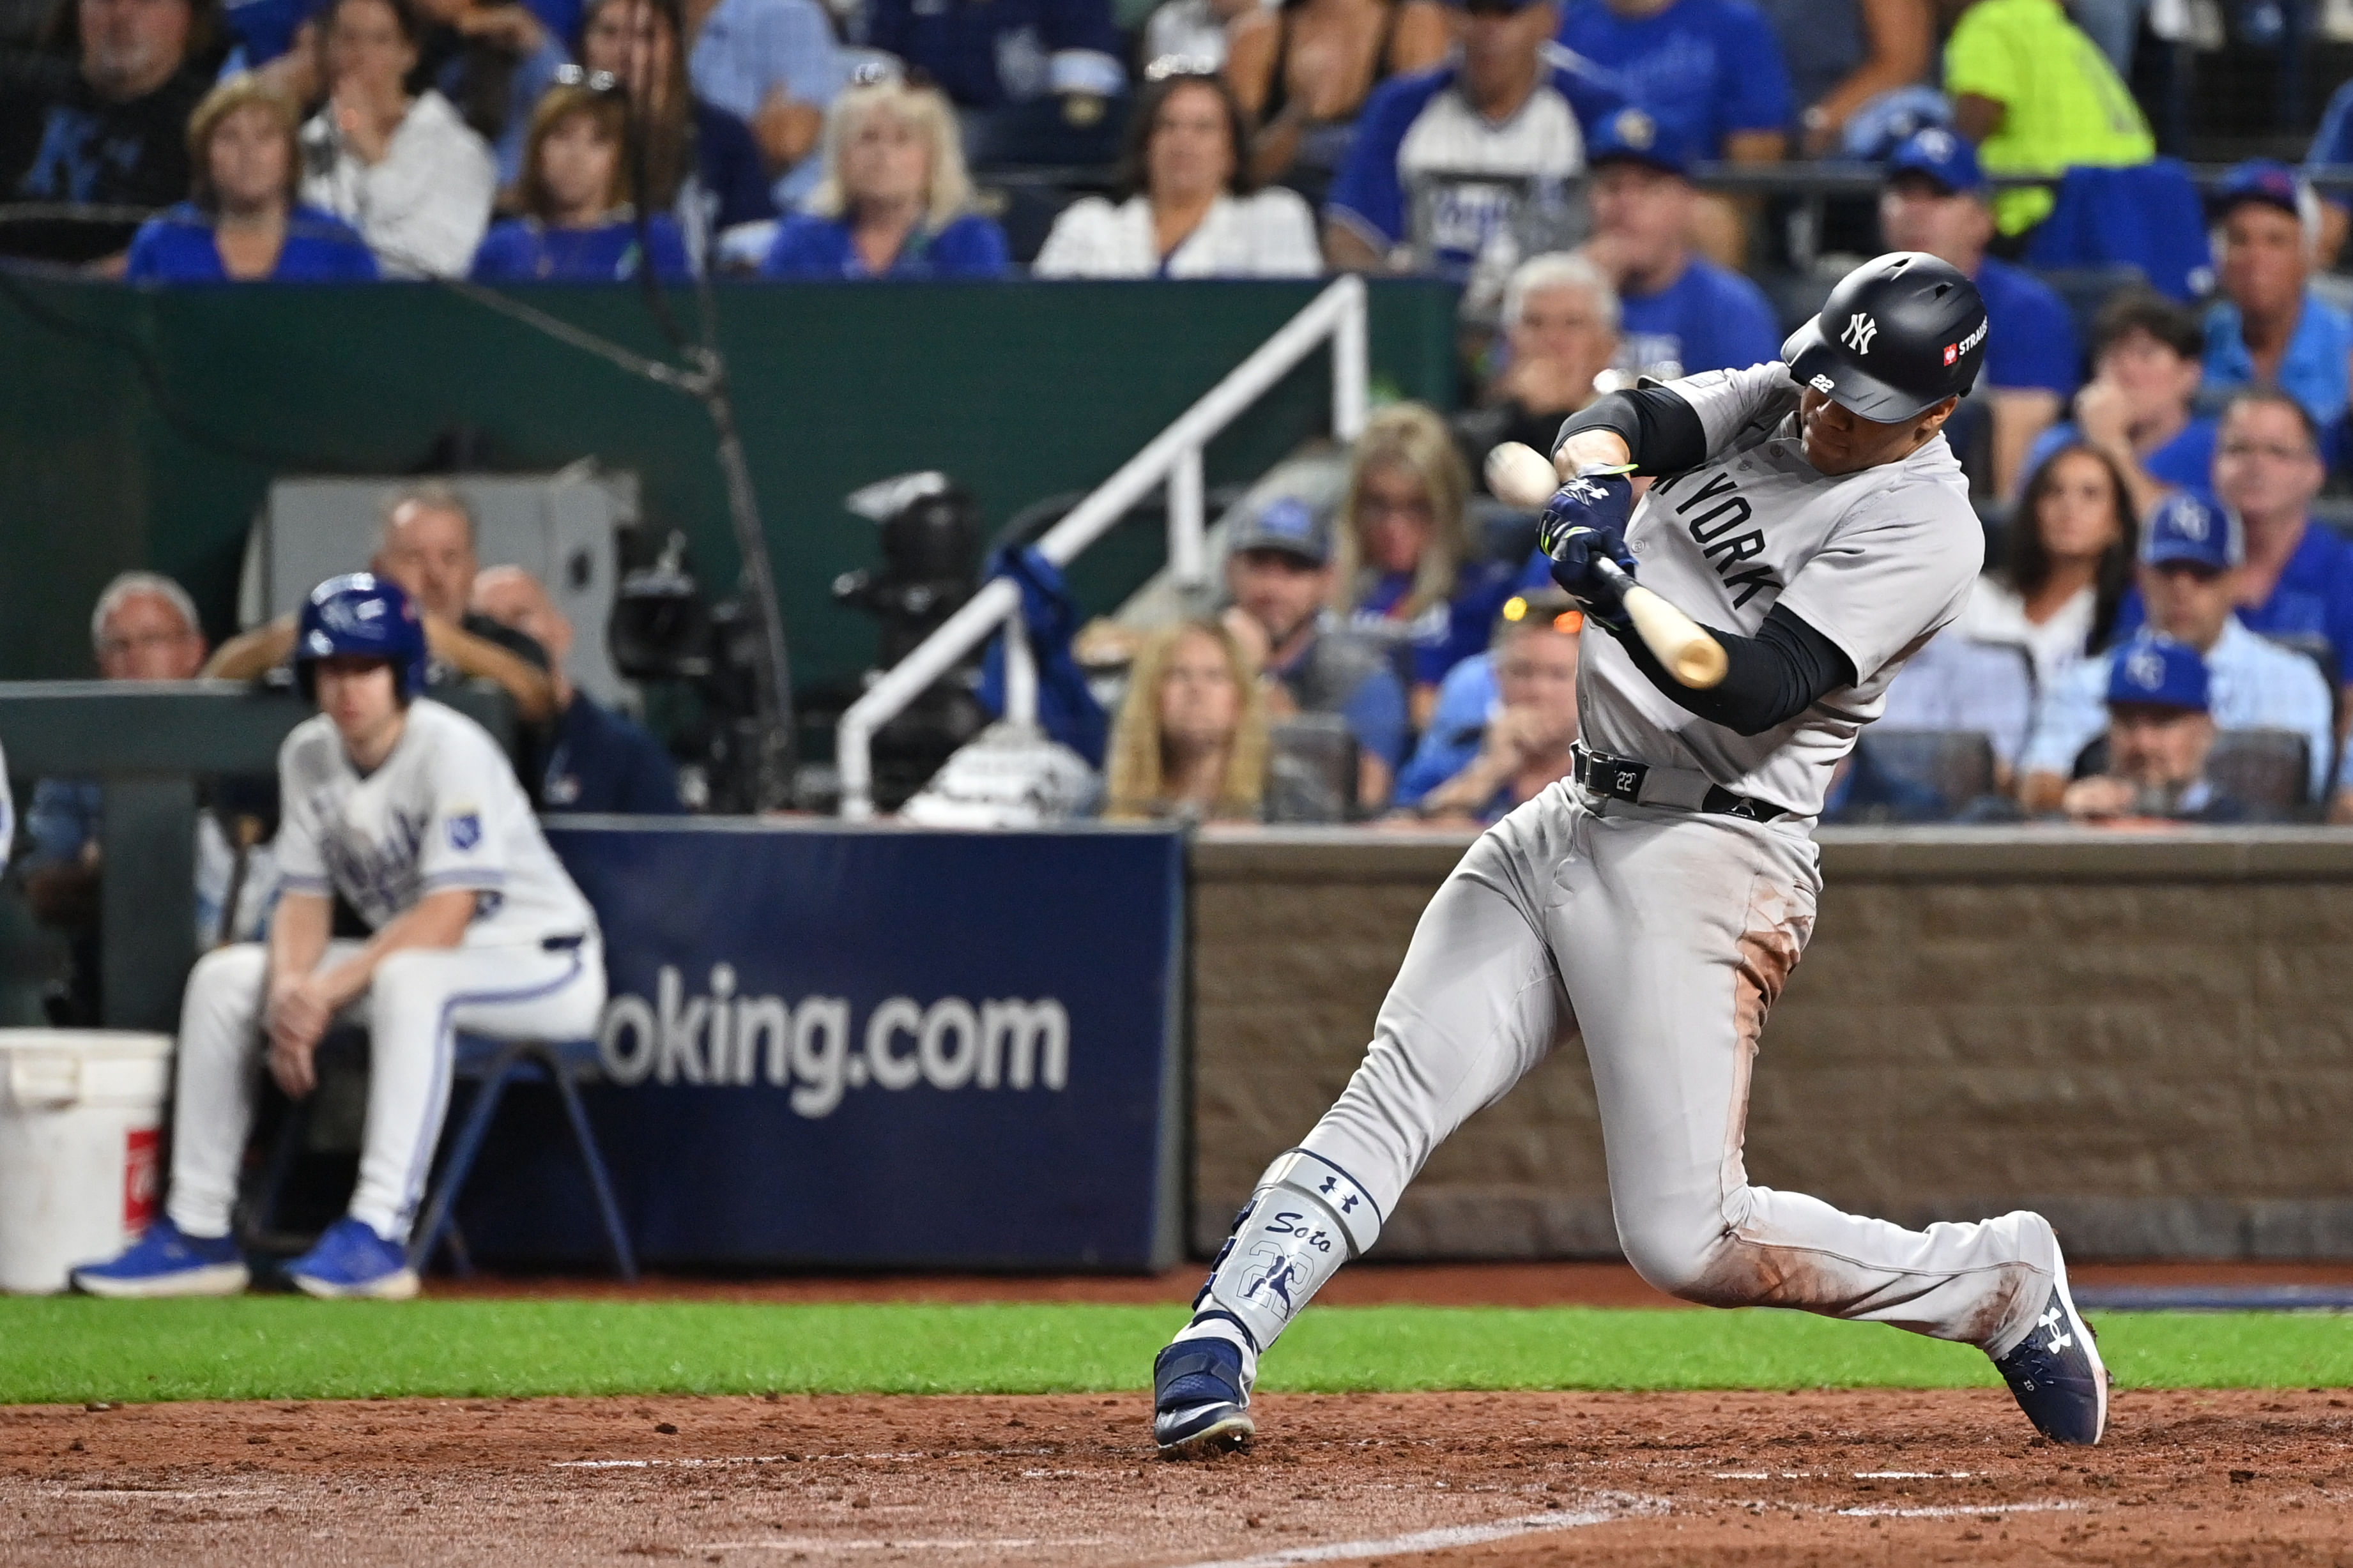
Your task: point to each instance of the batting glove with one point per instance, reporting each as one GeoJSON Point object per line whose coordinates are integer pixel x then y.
{"type": "Point", "coordinates": [1587, 519]}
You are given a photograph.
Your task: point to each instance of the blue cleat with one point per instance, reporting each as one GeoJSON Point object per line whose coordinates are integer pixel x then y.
{"type": "Point", "coordinates": [167, 1261]}
{"type": "Point", "coordinates": [1199, 1402]}
{"type": "Point", "coordinates": [2056, 1374]}
{"type": "Point", "coordinates": [351, 1261]}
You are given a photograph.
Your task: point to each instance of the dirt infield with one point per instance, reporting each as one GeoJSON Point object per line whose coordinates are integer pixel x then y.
{"type": "Point", "coordinates": [1459, 1480]}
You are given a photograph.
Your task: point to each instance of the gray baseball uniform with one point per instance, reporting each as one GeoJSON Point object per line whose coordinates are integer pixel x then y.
{"type": "Point", "coordinates": [1662, 933]}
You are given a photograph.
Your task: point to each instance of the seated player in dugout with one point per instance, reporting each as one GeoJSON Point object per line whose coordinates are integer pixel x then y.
{"type": "Point", "coordinates": [1655, 903]}
{"type": "Point", "coordinates": [408, 811]}
{"type": "Point", "coordinates": [428, 547]}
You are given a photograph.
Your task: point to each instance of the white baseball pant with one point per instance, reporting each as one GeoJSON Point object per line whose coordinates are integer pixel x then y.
{"type": "Point", "coordinates": [1662, 936]}
{"type": "Point", "coordinates": [416, 1002]}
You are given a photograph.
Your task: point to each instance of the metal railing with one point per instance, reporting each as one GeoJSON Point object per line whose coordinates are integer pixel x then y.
{"type": "Point", "coordinates": [1173, 457]}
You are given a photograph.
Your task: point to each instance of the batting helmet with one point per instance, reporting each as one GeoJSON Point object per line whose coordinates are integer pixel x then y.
{"type": "Point", "coordinates": [1898, 335]}
{"type": "Point", "coordinates": [361, 615]}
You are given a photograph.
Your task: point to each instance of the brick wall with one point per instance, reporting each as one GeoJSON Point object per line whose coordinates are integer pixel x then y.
{"type": "Point", "coordinates": [2151, 1039]}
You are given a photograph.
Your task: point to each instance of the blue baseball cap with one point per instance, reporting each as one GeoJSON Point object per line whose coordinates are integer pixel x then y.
{"type": "Point", "coordinates": [2185, 529]}
{"type": "Point", "coordinates": [1286, 523]}
{"type": "Point", "coordinates": [1943, 157]}
{"type": "Point", "coordinates": [1633, 136]}
{"type": "Point", "coordinates": [2152, 671]}
{"type": "Point", "coordinates": [2264, 179]}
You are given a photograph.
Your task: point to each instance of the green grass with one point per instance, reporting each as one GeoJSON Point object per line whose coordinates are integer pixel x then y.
{"type": "Point", "coordinates": [265, 1347]}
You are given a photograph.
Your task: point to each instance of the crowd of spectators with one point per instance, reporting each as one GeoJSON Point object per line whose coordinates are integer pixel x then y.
{"type": "Point", "coordinates": [2149, 461]}
{"type": "Point", "coordinates": [866, 139]}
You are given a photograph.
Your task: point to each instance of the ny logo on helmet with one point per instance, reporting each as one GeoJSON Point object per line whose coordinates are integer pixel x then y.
{"type": "Point", "coordinates": [1860, 330]}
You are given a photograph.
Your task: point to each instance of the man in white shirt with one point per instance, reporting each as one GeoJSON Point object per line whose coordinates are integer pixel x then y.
{"type": "Point", "coordinates": [410, 812]}
{"type": "Point", "coordinates": [2187, 556]}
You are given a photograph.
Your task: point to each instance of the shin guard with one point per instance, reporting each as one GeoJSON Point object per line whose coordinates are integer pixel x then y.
{"type": "Point", "coordinates": [1306, 1218]}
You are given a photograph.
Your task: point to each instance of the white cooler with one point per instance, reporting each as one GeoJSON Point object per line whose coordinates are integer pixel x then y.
{"type": "Point", "coordinates": [81, 1114]}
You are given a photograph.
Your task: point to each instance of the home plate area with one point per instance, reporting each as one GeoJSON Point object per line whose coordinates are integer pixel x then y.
{"type": "Point", "coordinates": [1441, 1479]}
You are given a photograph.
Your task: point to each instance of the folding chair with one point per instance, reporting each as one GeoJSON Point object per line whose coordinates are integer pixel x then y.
{"type": "Point", "coordinates": [491, 1065]}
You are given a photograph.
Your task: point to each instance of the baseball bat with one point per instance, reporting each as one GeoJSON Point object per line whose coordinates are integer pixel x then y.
{"type": "Point", "coordinates": [1694, 658]}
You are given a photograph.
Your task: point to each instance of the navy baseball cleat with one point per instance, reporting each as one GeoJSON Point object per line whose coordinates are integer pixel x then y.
{"type": "Point", "coordinates": [167, 1261]}
{"type": "Point", "coordinates": [1199, 1403]}
{"type": "Point", "coordinates": [351, 1261]}
{"type": "Point", "coordinates": [2056, 1374]}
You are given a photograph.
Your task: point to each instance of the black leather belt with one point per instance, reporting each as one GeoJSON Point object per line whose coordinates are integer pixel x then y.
{"type": "Point", "coordinates": [1623, 778]}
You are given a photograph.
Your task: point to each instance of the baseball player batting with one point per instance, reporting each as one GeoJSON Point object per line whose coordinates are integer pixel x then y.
{"type": "Point", "coordinates": [412, 812]}
{"type": "Point", "coordinates": [1810, 515]}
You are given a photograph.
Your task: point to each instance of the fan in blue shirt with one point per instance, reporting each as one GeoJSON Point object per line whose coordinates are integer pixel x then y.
{"type": "Point", "coordinates": [243, 223]}
{"type": "Point", "coordinates": [1936, 200]}
{"type": "Point", "coordinates": [773, 64]}
{"type": "Point", "coordinates": [2136, 408]}
{"type": "Point", "coordinates": [895, 200]}
{"type": "Point", "coordinates": [2264, 272]}
{"type": "Point", "coordinates": [2267, 468]}
{"type": "Point", "coordinates": [1448, 160]}
{"type": "Point", "coordinates": [577, 226]}
{"type": "Point", "coordinates": [2332, 148]}
{"type": "Point", "coordinates": [1710, 69]}
{"type": "Point", "coordinates": [1679, 313]}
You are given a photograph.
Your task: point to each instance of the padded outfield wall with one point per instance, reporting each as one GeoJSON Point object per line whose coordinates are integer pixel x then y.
{"type": "Point", "coordinates": [140, 426]}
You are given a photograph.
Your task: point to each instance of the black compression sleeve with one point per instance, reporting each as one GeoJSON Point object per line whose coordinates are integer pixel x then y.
{"type": "Point", "coordinates": [1662, 430]}
{"type": "Point", "coordinates": [1784, 669]}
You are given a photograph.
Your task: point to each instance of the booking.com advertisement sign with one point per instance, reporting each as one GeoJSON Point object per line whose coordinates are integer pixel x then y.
{"type": "Point", "coordinates": [867, 1047]}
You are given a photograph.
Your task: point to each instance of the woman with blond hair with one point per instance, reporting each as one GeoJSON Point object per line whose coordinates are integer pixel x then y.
{"type": "Point", "coordinates": [1404, 562]}
{"type": "Point", "coordinates": [578, 225]}
{"type": "Point", "coordinates": [895, 201]}
{"type": "Point", "coordinates": [241, 223]}
{"type": "Point", "coordinates": [1191, 738]}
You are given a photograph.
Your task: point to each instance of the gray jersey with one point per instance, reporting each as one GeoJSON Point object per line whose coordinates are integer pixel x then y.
{"type": "Point", "coordinates": [442, 811]}
{"type": "Point", "coordinates": [1877, 561]}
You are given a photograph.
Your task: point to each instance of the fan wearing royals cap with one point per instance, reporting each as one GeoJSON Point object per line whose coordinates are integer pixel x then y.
{"type": "Point", "coordinates": [2160, 732]}
{"type": "Point", "coordinates": [1680, 313]}
{"type": "Point", "coordinates": [410, 812]}
{"type": "Point", "coordinates": [2188, 556]}
{"type": "Point", "coordinates": [1936, 199]}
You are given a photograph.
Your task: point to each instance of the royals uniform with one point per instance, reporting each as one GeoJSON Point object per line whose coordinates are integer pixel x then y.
{"type": "Point", "coordinates": [442, 812]}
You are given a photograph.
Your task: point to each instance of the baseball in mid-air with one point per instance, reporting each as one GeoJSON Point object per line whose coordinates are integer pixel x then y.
{"type": "Point", "coordinates": [1521, 476]}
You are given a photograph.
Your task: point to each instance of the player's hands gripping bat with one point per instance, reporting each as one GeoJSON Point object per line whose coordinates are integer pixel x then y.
{"type": "Point", "coordinates": [1583, 525]}
{"type": "Point", "coordinates": [1583, 530]}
